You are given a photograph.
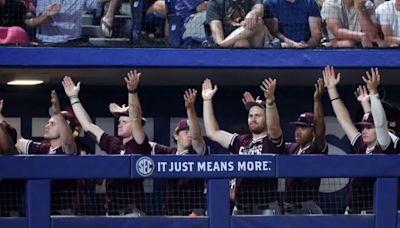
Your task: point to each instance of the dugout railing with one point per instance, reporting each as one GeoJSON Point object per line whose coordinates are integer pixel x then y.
{"type": "Point", "coordinates": [39, 170]}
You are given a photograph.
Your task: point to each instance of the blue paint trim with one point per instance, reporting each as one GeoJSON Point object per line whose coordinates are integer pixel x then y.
{"type": "Point", "coordinates": [218, 203]}
{"type": "Point", "coordinates": [125, 222]}
{"type": "Point", "coordinates": [119, 166]}
{"type": "Point", "coordinates": [338, 165]}
{"type": "Point", "coordinates": [317, 221]}
{"type": "Point", "coordinates": [37, 203]}
{"type": "Point", "coordinates": [13, 222]}
{"type": "Point", "coordinates": [385, 202]}
{"type": "Point", "coordinates": [197, 58]}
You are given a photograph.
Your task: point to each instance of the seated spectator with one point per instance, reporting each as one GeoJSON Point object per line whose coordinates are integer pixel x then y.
{"type": "Point", "coordinates": [193, 16]}
{"type": "Point", "coordinates": [60, 22]}
{"type": "Point", "coordinates": [12, 13]}
{"type": "Point", "coordinates": [388, 16]}
{"type": "Point", "coordinates": [350, 23]}
{"type": "Point", "coordinates": [297, 23]}
{"type": "Point", "coordinates": [147, 16]}
{"type": "Point", "coordinates": [237, 23]}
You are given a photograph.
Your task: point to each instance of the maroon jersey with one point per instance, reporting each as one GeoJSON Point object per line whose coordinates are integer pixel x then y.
{"type": "Point", "coordinates": [302, 189]}
{"type": "Point", "coordinates": [124, 195]}
{"type": "Point", "coordinates": [113, 145]}
{"type": "Point", "coordinates": [183, 195]}
{"type": "Point", "coordinates": [43, 148]}
{"type": "Point", "coordinates": [361, 189]}
{"type": "Point", "coordinates": [255, 190]}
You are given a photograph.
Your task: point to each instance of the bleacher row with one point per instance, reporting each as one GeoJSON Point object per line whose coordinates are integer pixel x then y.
{"type": "Point", "coordinates": [160, 24]}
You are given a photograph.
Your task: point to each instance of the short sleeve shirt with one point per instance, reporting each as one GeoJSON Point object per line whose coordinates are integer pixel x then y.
{"type": "Point", "coordinates": [43, 148]}
{"type": "Point", "coordinates": [336, 10]}
{"type": "Point", "coordinates": [293, 17]}
{"type": "Point", "coordinates": [113, 145]}
{"type": "Point", "coordinates": [266, 187]}
{"type": "Point", "coordinates": [185, 8]}
{"type": "Point", "coordinates": [387, 15]}
{"type": "Point", "coordinates": [230, 12]}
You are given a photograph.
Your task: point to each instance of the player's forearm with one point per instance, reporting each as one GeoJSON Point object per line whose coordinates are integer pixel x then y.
{"type": "Point", "coordinates": [319, 124]}
{"type": "Point", "coordinates": [273, 122]}
{"type": "Point", "coordinates": [210, 122]}
{"type": "Point", "coordinates": [135, 114]}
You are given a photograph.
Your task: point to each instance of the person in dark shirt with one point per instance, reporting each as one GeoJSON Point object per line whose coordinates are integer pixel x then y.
{"type": "Point", "coordinates": [123, 196]}
{"type": "Point", "coordinates": [252, 195]}
{"type": "Point", "coordinates": [373, 139]}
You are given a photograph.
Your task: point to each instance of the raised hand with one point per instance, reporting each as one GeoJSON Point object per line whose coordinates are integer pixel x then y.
{"type": "Point", "coordinates": [361, 94]}
{"type": "Point", "coordinates": [330, 79]}
{"type": "Point", "coordinates": [52, 9]}
{"type": "Point", "coordinates": [268, 86]}
{"type": "Point", "coordinates": [319, 89]}
{"type": "Point", "coordinates": [70, 88]}
{"type": "Point", "coordinates": [55, 103]}
{"type": "Point", "coordinates": [132, 79]}
{"type": "Point", "coordinates": [248, 97]}
{"type": "Point", "coordinates": [190, 98]}
{"type": "Point", "coordinates": [208, 91]}
{"type": "Point", "coordinates": [115, 108]}
{"type": "Point", "coordinates": [372, 80]}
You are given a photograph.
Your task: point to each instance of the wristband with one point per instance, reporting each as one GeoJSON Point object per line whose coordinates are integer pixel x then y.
{"type": "Point", "coordinates": [336, 98]}
{"type": "Point", "coordinates": [271, 104]}
{"type": "Point", "coordinates": [132, 91]}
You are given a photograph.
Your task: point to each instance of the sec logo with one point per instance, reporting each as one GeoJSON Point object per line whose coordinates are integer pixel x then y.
{"type": "Point", "coordinates": [144, 166]}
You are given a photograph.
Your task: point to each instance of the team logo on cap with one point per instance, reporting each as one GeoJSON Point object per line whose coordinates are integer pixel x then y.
{"type": "Point", "coordinates": [365, 117]}
{"type": "Point", "coordinates": [145, 166]}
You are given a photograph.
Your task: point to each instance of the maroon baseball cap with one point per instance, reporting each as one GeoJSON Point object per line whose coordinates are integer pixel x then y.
{"type": "Point", "coordinates": [72, 121]}
{"type": "Point", "coordinates": [183, 124]}
{"type": "Point", "coordinates": [367, 120]}
{"type": "Point", "coordinates": [259, 103]}
{"type": "Point", "coordinates": [304, 119]}
{"type": "Point", "coordinates": [125, 112]}
{"type": "Point", "coordinates": [10, 130]}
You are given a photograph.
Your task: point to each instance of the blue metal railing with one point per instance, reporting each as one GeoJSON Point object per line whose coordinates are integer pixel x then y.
{"type": "Point", "coordinates": [39, 170]}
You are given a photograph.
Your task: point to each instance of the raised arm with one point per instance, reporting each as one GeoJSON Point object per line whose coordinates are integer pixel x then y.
{"type": "Point", "coordinates": [210, 123]}
{"type": "Point", "coordinates": [378, 112]}
{"type": "Point", "coordinates": [268, 86]}
{"type": "Point", "coordinates": [319, 121]}
{"type": "Point", "coordinates": [341, 112]}
{"type": "Point", "coordinates": [362, 96]}
{"type": "Point", "coordinates": [67, 140]}
{"type": "Point", "coordinates": [135, 111]}
{"type": "Point", "coordinates": [194, 124]}
{"type": "Point", "coordinates": [72, 91]}
{"type": "Point", "coordinates": [51, 10]}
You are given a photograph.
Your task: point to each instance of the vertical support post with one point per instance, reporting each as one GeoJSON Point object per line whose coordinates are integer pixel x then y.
{"type": "Point", "coordinates": [218, 203]}
{"type": "Point", "coordinates": [37, 203]}
{"type": "Point", "coordinates": [385, 203]}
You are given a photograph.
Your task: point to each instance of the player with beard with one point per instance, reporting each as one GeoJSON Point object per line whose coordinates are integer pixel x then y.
{"type": "Point", "coordinates": [123, 196]}
{"type": "Point", "coordinates": [185, 196]}
{"type": "Point", "coordinates": [252, 195]}
{"type": "Point", "coordinates": [373, 139]}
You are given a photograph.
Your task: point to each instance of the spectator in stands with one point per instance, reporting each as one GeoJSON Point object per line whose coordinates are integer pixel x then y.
{"type": "Point", "coordinates": [60, 22]}
{"type": "Point", "coordinates": [12, 14]}
{"type": "Point", "coordinates": [193, 16]}
{"type": "Point", "coordinates": [388, 17]}
{"type": "Point", "coordinates": [350, 23]}
{"type": "Point", "coordinates": [237, 23]}
{"type": "Point", "coordinates": [155, 12]}
{"type": "Point", "coordinates": [124, 196]}
{"type": "Point", "coordinates": [374, 138]}
{"type": "Point", "coordinates": [297, 23]}
{"type": "Point", "coordinates": [252, 196]}
{"type": "Point", "coordinates": [185, 196]}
